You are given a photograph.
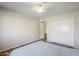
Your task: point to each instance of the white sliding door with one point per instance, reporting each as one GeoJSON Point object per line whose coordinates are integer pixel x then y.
{"type": "Point", "coordinates": [61, 31]}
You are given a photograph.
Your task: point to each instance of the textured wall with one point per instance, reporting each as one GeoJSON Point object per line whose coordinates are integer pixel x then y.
{"type": "Point", "coordinates": [17, 29]}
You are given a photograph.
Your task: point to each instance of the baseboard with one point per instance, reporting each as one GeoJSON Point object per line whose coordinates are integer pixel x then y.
{"type": "Point", "coordinates": [12, 48]}
{"type": "Point", "coordinates": [63, 45]}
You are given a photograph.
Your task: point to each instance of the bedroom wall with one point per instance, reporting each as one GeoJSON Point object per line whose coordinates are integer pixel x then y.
{"type": "Point", "coordinates": [17, 29]}
{"type": "Point", "coordinates": [50, 20]}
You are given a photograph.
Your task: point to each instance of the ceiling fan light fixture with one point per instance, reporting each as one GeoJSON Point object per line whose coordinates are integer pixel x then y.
{"type": "Point", "coordinates": [40, 8]}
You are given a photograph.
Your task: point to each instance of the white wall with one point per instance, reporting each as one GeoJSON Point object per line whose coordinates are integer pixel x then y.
{"type": "Point", "coordinates": [50, 32]}
{"type": "Point", "coordinates": [17, 29]}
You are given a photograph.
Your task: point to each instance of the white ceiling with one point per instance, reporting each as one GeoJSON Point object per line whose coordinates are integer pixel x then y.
{"type": "Point", "coordinates": [54, 9]}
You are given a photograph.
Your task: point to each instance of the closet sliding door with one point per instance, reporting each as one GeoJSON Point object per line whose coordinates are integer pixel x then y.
{"type": "Point", "coordinates": [61, 31]}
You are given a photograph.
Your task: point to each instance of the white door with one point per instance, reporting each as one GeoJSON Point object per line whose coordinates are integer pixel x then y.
{"type": "Point", "coordinates": [62, 31]}
{"type": "Point", "coordinates": [42, 30]}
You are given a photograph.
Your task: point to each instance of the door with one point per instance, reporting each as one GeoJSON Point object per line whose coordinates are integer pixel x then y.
{"type": "Point", "coordinates": [62, 31]}
{"type": "Point", "coordinates": [42, 30]}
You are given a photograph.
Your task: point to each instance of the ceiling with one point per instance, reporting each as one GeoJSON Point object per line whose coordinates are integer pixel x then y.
{"type": "Point", "coordinates": [55, 8]}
